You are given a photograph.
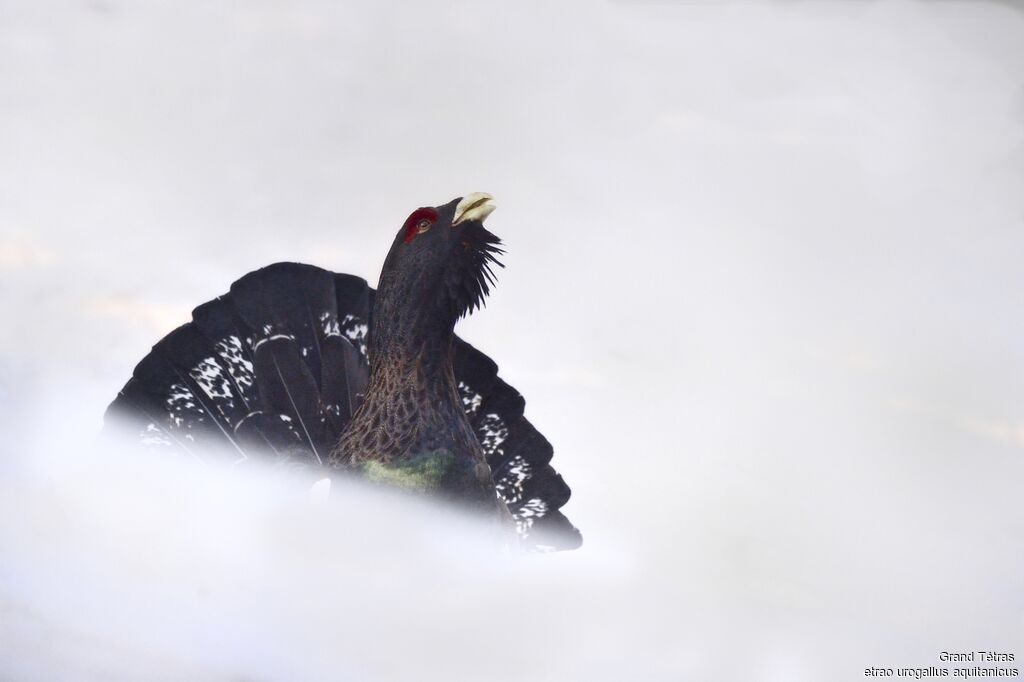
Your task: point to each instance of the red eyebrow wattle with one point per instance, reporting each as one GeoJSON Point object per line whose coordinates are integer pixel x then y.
{"type": "Point", "coordinates": [416, 216]}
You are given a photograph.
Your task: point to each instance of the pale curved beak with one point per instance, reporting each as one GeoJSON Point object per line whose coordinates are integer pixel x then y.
{"type": "Point", "coordinates": [475, 206]}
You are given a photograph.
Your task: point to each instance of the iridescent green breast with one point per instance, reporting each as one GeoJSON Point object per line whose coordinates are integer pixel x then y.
{"type": "Point", "coordinates": [421, 472]}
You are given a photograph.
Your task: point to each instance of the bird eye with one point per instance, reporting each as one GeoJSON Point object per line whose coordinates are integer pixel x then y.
{"type": "Point", "coordinates": [419, 222]}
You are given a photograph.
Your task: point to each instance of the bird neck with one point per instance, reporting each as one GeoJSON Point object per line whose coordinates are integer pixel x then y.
{"type": "Point", "coordinates": [411, 429]}
{"type": "Point", "coordinates": [411, 345]}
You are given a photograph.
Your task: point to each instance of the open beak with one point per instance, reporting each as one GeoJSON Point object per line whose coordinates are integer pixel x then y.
{"type": "Point", "coordinates": [475, 206]}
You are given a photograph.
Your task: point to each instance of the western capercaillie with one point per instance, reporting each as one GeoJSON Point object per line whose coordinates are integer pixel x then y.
{"type": "Point", "coordinates": [300, 364]}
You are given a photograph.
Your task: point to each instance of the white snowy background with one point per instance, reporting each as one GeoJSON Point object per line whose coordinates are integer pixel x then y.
{"type": "Point", "coordinates": [764, 293]}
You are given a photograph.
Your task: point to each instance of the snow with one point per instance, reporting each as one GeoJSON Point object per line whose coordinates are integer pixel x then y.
{"type": "Point", "coordinates": [762, 295]}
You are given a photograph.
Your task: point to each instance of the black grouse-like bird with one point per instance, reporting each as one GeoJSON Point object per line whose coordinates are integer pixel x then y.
{"type": "Point", "coordinates": [301, 364]}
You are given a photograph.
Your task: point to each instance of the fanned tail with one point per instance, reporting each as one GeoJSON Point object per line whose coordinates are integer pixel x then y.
{"type": "Point", "coordinates": [269, 368]}
{"type": "Point", "coordinates": [277, 367]}
{"type": "Point", "coordinates": [518, 454]}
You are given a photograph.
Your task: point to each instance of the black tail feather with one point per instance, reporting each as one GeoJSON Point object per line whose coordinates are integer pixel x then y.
{"type": "Point", "coordinates": [342, 396]}
{"type": "Point", "coordinates": [230, 339]}
{"type": "Point", "coordinates": [288, 393]}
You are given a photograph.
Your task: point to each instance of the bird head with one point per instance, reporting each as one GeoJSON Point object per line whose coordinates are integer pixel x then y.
{"type": "Point", "coordinates": [442, 257]}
